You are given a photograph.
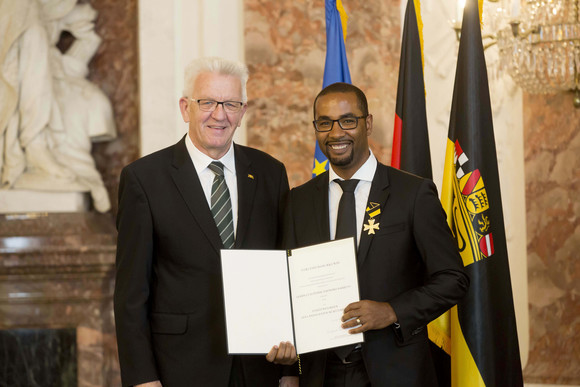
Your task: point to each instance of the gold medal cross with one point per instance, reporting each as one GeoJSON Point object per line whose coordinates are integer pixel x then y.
{"type": "Point", "coordinates": [371, 227]}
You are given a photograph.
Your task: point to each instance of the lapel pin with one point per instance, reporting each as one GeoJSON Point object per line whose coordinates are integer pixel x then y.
{"type": "Point", "coordinates": [251, 176]}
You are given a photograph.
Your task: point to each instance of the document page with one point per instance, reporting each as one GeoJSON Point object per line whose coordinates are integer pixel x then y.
{"type": "Point", "coordinates": [324, 281]}
{"type": "Point", "coordinates": [257, 300]}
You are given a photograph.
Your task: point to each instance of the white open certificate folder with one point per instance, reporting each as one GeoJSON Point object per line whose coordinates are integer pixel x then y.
{"type": "Point", "coordinates": [297, 296]}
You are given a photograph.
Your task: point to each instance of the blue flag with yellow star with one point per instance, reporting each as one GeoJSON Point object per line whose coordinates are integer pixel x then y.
{"type": "Point", "coordinates": [336, 65]}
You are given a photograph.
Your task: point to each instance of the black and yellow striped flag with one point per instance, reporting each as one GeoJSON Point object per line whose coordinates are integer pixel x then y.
{"type": "Point", "coordinates": [484, 342]}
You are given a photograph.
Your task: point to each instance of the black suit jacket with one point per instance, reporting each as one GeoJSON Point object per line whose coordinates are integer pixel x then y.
{"type": "Point", "coordinates": [411, 262]}
{"type": "Point", "coordinates": [169, 308]}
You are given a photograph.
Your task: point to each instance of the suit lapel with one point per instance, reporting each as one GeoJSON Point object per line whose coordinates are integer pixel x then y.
{"type": "Point", "coordinates": [319, 201]}
{"type": "Point", "coordinates": [246, 191]}
{"type": "Point", "coordinates": [377, 198]}
{"type": "Point", "coordinates": [187, 181]}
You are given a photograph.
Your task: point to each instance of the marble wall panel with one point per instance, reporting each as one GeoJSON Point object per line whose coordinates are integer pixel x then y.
{"type": "Point", "coordinates": [552, 167]}
{"type": "Point", "coordinates": [57, 271]}
{"type": "Point", "coordinates": [115, 69]}
{"type": "Point", "coordinates": [46, 357]}
{"type": "Point", "coordinates": [285, 51]}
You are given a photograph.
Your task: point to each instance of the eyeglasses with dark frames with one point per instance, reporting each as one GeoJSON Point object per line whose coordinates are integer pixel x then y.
{"type": "Point", "coordinates": [345, 123]}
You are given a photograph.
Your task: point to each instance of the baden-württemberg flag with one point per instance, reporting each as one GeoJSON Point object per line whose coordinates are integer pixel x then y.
{"type": "Point", "coordinates": [410, 137]}
{"type": "Point", "coordinates": [484, 342]}
{"type": "Point", "coordinates": [336, 65]}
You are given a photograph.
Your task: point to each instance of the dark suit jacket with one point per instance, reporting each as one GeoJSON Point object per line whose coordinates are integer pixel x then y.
{"type": "Point", "coordinates": [411, 262]}
{"type": "Point", "coordinates": [169, 308]}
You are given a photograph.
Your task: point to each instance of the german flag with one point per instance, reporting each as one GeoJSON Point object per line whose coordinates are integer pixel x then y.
{"type": "Point", "coordinates": [484, 342]}
{"type": "Point", "coordinates": [410, 137]}
{"type": "Point", "coordinates": [335, 66]}
{"type": "Point", "coordinates": [411, 152]}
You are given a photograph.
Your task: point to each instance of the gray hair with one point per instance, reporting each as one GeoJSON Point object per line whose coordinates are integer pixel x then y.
{"type": "Point", "coordinates": [218, 66]}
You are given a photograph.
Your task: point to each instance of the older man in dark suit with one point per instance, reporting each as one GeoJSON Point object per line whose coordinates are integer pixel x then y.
{"type": "Point", "coordinates": [177, 208]}
{"type": "Point", "coordinates": [409, 269]}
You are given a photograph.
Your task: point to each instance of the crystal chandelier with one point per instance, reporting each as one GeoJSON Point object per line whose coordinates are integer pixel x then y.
{"type": "Point", "coordinates": [540, 47]}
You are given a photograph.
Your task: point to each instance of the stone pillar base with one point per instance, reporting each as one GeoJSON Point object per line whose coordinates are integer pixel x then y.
{"type": "Point", "coordinates": [57, 272]}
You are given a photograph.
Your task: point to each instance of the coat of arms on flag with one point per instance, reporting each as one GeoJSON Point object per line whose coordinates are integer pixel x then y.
{"type": "Point", "coordinates": [470, 206]}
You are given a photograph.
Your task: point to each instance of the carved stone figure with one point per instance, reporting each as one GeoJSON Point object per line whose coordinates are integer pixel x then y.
{"type": "Point", "coordinates": [49, 112]}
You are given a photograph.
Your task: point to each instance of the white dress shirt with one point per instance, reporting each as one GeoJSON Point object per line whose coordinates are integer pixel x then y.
{"type": "Point", "coordinates": [361, 194]}
{"type": "Point", "coordinates": [201, 162]}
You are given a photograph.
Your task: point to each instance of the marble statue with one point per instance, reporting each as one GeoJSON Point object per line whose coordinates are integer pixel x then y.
{"type": "Point", "coordinates": [50, 113]}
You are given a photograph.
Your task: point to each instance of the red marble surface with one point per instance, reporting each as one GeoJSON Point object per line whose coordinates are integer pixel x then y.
{"type": "Point", "coordinates": [115, 69]}
{"type": "Point", "coordinates": [552, 167]}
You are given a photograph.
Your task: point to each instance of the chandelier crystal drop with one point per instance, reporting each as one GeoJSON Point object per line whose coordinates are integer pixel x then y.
{"type": "Point", "coordinates": [541, 48]}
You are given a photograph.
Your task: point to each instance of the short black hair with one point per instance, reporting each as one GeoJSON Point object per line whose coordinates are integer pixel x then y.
{"type": "Point", "coordinates": [341, 87]}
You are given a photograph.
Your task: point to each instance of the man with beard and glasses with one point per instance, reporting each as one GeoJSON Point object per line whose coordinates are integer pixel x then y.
{"type": "Point", "coordinates": [409, 269]}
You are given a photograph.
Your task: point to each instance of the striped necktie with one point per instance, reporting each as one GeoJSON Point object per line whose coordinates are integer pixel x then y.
{"type": "Point", "coordinates": [221, 205]}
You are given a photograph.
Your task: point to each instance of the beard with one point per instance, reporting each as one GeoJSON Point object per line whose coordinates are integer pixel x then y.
{"type": "Point", "coordinates": [341, 161]}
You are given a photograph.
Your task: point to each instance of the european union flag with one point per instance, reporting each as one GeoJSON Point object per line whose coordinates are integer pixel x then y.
{"type": "Point", "coordinates": [336, 65]}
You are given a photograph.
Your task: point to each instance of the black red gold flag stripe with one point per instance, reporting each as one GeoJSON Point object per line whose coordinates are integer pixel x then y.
{"type": "Point", "coordinates": [410, 150]}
